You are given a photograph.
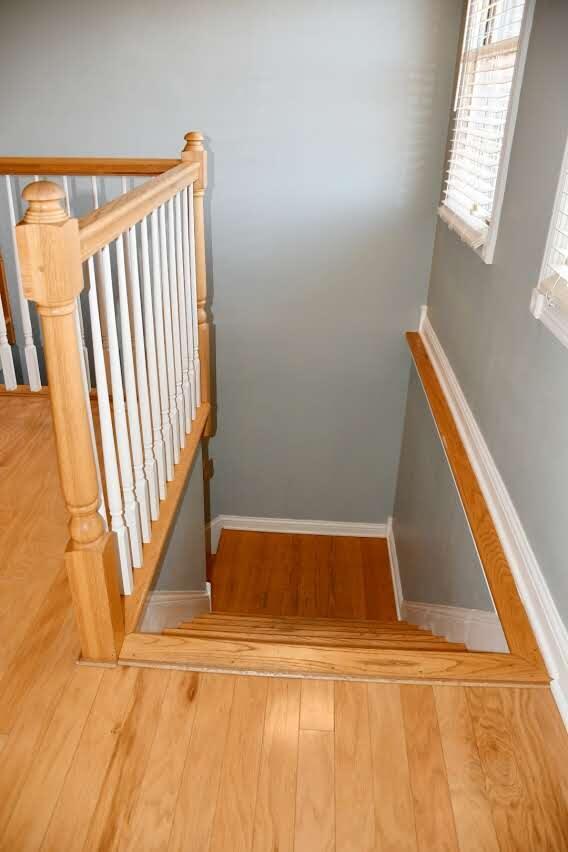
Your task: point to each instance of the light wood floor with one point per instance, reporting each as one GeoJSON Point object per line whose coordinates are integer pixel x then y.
{"type": "Point", "coordinates": [145, 759]}
{"type": "Point", "coordinates": [313, 576]}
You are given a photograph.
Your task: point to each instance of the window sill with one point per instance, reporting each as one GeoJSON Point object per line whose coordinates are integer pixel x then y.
{"type": "Point", "coordinates": [553, 314]}
{"type": "Point", "coordinates": [476, 240]}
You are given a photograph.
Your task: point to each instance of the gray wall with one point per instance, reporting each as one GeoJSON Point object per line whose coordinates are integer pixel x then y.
{"type": "Point", "coordinates": [437, 558]}
{"type": "Point", "coordinates": [512, 370]}
{"type": "Point", "coordinates": [326, 121]}
{"type": "Point", "coordinates": [183, 565]}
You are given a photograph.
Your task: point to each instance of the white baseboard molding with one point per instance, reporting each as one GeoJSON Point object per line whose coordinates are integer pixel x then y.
{"type": "Point", "coordinates": [549, 629]}
{"type": "Point", "coordinates": [291, 525]}
{"type": "Point", "coordinates": [395, 573]}
{"type": "Point", "coordinates": [477, 629]}
{"type": "Point", "coordinates": [168, 609]}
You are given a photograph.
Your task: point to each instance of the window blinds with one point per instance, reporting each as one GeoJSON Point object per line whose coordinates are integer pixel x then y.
{"type": "Point", "coordinates": [487, 66]}
{"type": "Point", "coordinates": [554, 275]}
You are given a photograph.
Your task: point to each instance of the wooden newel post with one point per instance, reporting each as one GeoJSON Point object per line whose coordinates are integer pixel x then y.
{"type": "Point", "coordinates": [195, 152]}
{"type": "Point", "coordinates": [50, 260]}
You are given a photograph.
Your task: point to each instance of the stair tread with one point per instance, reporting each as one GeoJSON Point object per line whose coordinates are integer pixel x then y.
{"type": "Point", "coordinates": [303, 621]}
{"type": "Point", "coordinates": [204, 626]}
{"type": "Point", "coordinates": [335, 640]}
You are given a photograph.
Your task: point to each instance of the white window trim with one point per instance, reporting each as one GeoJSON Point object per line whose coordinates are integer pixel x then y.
{"type": "Point", "coordinates": [487, 251]}
{"type": "Point", "coordinates": [553, 313]}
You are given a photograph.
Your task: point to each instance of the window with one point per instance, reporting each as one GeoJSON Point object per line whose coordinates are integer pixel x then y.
{"type": "Point", "coordinates": [550, 298]}
{"type": "Point", "coordinates": [493, 51]}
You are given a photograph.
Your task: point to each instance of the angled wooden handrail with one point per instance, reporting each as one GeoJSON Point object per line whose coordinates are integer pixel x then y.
{"type": "Point", "coordinates": [514, 620]}
{"type": "Point", "coordinates": [106, 223]}
{"type": "Point", "coordinates": [85, 166]}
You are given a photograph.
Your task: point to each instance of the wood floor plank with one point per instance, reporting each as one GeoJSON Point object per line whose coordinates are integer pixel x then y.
{"type": "Point", "coordinates": [315, 795]}
{"type": "Point", "coordinates": [313, 576]}
{"type": "Point", "coordinates": [153, 815]}
{"type": "Point", "coordinates": [197, 797]}
{"type": "Point", "coordinates": [77, 801]}
{"type": "Point", "coordinates": [234, 816]}
{"type": "Point", "coordinates": [51, 761]}
{"type": "Point", "coordinates": [355, 829]}
{"type": "Point", "coordinates": [123, 779]}
{"type": "Point", "coordinates": [512, 809]}
{"type": "Point", "coordinates": [549, 800]}
{"type": "Point", "coordinates": [471, 806]}
{"type": "Point", "coordinates": [318, 705]}
{"type": "Point", "coordinates": [435, 828]}
{"type": "Point", "coordinates": [377, 580]}
{"type": "Point", "coordinates": [394, 809]}
{"type": "Point", "coordinates": [347, 592]}
{"type": "Point", "coordinates": [275, 805]}
{"type": "Point", "coordinates": [38, 649]}
{"type": "Point", "coordinates": [35, 713]}
{"type": "Point", "coordinates": [528, 805]}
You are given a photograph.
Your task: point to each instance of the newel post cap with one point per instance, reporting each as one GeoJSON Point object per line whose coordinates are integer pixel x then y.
{"type": "Point", "coordinates": [45, 203]}
{"type": "Point", "coordinates": [49, 247]}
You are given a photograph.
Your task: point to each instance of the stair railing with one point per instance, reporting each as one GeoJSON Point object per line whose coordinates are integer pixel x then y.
{"type": "Point", "coordinates": [141, 258]}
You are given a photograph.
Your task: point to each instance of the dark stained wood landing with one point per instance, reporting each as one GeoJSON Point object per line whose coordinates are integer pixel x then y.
{"type": "Point", "coordinates": [312, 576]}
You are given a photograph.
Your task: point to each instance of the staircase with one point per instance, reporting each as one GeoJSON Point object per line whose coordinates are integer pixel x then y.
{"type": "Point", "coordinates": [312, 632]}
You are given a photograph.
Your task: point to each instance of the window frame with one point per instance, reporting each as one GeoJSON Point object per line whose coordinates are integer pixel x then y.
{"type": "Point", "coordinates": [553, 315]}
{"type": "Point", "coordinates": [454, 222]}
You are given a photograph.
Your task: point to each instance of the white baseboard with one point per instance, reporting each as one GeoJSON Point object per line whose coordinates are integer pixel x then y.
{"type": "Point", "coordinates": [477, 629]}
{"type": "Point", "coordinates": [549, 629]}
{"type": "Point", "coordinates": [168, 609]}
{"type": "Point", "coordinates": [395, 573]}
{"type": "Point", "coordinates": [291, 525]}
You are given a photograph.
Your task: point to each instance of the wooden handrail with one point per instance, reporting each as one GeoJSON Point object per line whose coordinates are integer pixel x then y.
{"type": "Point", "coordinates": [514, 620]}
{"type": "Point", "coordinates": [105, 224]}
{"type": "Point", "coordinates": [89, 166]}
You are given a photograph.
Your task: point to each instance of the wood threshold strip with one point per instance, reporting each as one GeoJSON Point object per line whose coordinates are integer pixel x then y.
{"type": "Point", "coordinates": [148, 649]}
{"type": "Point", "coordinates": [102, 226]}
{"type": "Point", "coordinates": [514, 620]}
{"type": "Point", "coordinates": [153, 551]}
{"type": "Point", "coordinates": [89, 166]}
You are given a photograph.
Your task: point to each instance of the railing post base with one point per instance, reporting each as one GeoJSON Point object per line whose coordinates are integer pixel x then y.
{"type": "Point", "coordinates": [93, 578]}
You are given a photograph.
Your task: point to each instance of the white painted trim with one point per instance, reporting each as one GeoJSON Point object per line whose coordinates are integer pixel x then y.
{"type": "Point", "coordinates": [395, 572]}
{"type": "Point", "coordinates": [477, 629]}
{"type": "Point", "coordinates": [551, 315]}
{"type": "Point", "coordinates": [549, 629]}
{"type": "Point", "coordinates": [291, 525]}
{"type": "Point", "coordinates": [168, 609]}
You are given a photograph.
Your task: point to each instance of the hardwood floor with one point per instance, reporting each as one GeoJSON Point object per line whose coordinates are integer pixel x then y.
{"type": "Point", "coordinates": [138, 759]}
{"type": "Point", "coordinates": [312, 576]}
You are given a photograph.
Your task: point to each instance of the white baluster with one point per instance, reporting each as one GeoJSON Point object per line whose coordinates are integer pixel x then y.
{"type": "Point", "coordinates": [79, 305]}
{"type": "Point", "coordinates": [140, 484]}
{"type": "Point", "coordinates": [182, 316]}
{"type": "Point", "coordinates": [30, 351]}
{"type": "Point", "coordinates": [100, 284]}
{"type": "Point", "coordinates": [194, 297]}
{"type": "Point", "coordinates": [168, 334]}
{"type": "Point", "coordinates": [131, 513]}
{"type": "Point", "coordinates": [6, 359]}
{"type": "Point", "coordinates": [167, 429]}
{"type": "Point", "coordinates": [152, 361]}
{"type": "Point", "coordinates": [188, 308]}
{"type": "Point", "coordinates": [107, 435]}
{"type": "Point", "coordinates": [174, 306]}
{"type": "Point", "coordinates": [150, 466]}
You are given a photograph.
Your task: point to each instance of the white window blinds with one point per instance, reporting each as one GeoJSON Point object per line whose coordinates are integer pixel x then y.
{"type": "Point", "coordinates": [487, 66]}
{"type": "Point", "coordinates": [554, 275]}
